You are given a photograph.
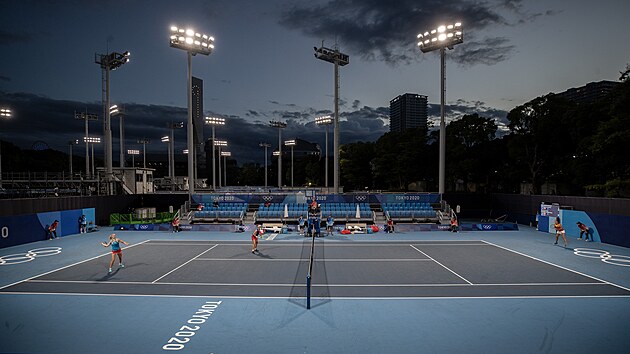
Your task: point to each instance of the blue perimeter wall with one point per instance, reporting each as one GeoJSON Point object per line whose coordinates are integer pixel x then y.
{"type": "Point", "coordinates": [20, 229]}
{"type": "Point", "coordinates": [611, 229]}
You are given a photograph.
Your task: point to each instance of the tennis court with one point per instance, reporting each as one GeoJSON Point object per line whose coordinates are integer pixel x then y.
{"type": "Point", "coordinates": [351, 269]}
{"type": "Point", "coordinates": [490, 292]}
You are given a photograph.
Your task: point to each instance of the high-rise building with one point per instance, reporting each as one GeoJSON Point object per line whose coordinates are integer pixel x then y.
{"type": "Point", "coordinates": [407, 111]}
{"type": "Point", "coordinates": [197, 109]}
{"type": "Point", "coordinates": [198, 122]}
{"type": "Point", "coordinates": [589, 93]}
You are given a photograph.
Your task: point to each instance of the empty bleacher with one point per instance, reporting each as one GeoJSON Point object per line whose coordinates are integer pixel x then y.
{"type": "Point", "coordinates": [224, 212]}
{"type": "Point", "coordinates": [409, 212]}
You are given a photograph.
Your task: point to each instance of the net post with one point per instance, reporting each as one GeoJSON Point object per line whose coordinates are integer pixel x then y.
{"type": "Point", "coordinates": [308, 292]}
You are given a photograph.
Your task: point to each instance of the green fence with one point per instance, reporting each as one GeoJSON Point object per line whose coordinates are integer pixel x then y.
{"type": "Point", "coordinates": [133, 219]}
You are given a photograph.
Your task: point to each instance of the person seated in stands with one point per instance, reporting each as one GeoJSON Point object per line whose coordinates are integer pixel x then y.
{"type": "Point", "coordinates": [267, 204]}
{"type": "Point", "coordinates": [454, 224]}
{"type": "Point", "coordinates": [175, 224]}
{"type": "Point", "coordinates": [390, 226]}
{"type": "Point", "coordinates": [199, 207]}
{"type": "Point", "coordinates": [215, 203]}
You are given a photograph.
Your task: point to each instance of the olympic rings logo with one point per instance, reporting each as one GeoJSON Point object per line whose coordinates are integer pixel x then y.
{"type": "Point", "coordinates": [267, 198]}
{"type": "Point", "coordinates": [486, 227]}
{"type": "Point", "coordinates": [29, 256]}
{"type": "Point", "coordinates": [605, 256]}
{"type": "Point", "coordinates": [360, 198]}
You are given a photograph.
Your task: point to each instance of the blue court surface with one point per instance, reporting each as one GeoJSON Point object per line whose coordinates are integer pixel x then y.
{"type": "Point", "coordinates": [205, 292]}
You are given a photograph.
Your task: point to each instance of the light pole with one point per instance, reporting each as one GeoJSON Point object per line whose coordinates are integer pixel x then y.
{"type": "Point", "coordinates": [4, 113]}
{"type": "Point", "coordinates": [193, 43]}
{"type": "Point", "coordinates": [339, 59]}
{"type": "Point", "coordinates": [92, 141]}
{"type": "Point", "coordinates": [214, 121]}
{"type": "Point", "coordinates": [118, 111]}
{"type": "Point", "coordinates": [220, 143]}
{"type": "Point", "coordinates": [109, 62]}
{"type": "Point", "coordinates": [87, 117]}
{"type": "Point", "coordinates": [280, 126]}
{"type": "Point", "coordinates": [225, 155]}
{"type": "Point", "coordinates": [442, 37]}
{"type": "Point", "coordinates": [167, 140]}
{"type": "Point", "coordinates": [291, 143]}
{"type": "Point", "coordinates": [327, 121]}
{"type": "Point", "coordinates": [133, 153]}
{"type": "Point", "coordinates": [144, 142]}
{"type": "Point", "coordinates": [266, 146]}
{"type": "Point", "coordinates": [70, 144]}
{"type": "Point", "coordinates": [171, 165]}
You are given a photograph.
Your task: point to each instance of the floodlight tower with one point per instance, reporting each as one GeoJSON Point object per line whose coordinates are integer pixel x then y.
{"type": "Point", "coordinates": [220, 143]}
{"type": "Point", "coordinates": [327, 121]}
{"type": "Point", "coordinates": [92, 140]}
{"type": "Point", "coordinates": [225, 155]}
{"type": "Point", "coordinates": [144, 142]}
{"type": "Point", "coordinates": [172, 126]}
{"type": "Point", "coordinates": [4, 113]}
{"type": "Point", "coordinates": [118, 111]}
{"type": "Point", "coordinates": [339, 59]}
{"type": "Point", "coordinates": [133, 153]}
{"type": "Point", "coordinates": [109, 62]}
{"type": "Point", "coordinates": [87, 117]}
{"type": "Point", "coordinates": [280, 126]}
{"type": "Point", "coordinates": [291, 143]}
{"type": "Point", "coordinates": [214, 121]}
{"type": "Point", "coordinates": [71, 143]}
{"type": "Point", "coordinates": [193, 43]}
{"type": "Point", "coordinates": [266, 146]}
{"type": "Point", "coordinates": [442, 37]}
{"type": "Point", "coordinates": [167, 139]}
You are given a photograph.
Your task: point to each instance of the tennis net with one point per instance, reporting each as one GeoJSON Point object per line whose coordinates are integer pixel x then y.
{"type": "Point", "coordinates": [310, 273]}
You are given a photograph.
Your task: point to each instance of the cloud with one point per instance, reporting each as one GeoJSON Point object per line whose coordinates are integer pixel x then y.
{"type": "Point", "coordinates": [385, 31]}
{"type": "Point", "coordinates": [52, 121]}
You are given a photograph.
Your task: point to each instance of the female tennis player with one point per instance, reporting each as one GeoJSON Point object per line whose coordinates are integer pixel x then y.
{"type": "Point", "coordinates": [560, 231]}
{"type": "Point", "coordinates": [116, 250]}
{"type": "Point", "coordinates": [257, 233]}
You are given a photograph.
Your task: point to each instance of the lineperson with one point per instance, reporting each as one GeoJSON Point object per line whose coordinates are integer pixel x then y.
{"type": "Point", "coordinates": [116, 250]}
{"type": "Point", "coordinates": [257, 233]}
{"type": "Point", "coordinates": [560, 231]}
{"type": "Point", "coordinates": [82, 224]}
{"type": "Point", "coordinates": [301, 225]}
{"type": "Point", "coordinates": [175, 223]}
{"type": "Point", "coordinates": [52, 229]}
{"type": "Point", "coordinates": [329, 224]}
{"type": "Point", "coordinates": [585, 230]}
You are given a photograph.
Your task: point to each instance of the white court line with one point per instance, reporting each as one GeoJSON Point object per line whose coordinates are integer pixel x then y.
{"type": "Point", "coordinates": [190, 260]}
{"type": "Point", "coordinates": [445, 267]}
{"type": "Point", "coordinates": [314, 285]}
{"type": "Point", "coordinates": [555, 265]}
{"type": "Point", "coordinates": [316, 260]}
{"type": "Point", "coordinates": [68, 266]}
{"type": "Point", "coordinates": [336, 298]}
{"type": "Point", "coordinates": [284, 243]}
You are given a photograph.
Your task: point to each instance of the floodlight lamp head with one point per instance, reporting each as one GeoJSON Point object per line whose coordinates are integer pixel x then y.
{"type": "Point", "coordinates": [191, 41]}
{"type": "Point", "coordinates": [444, 36]}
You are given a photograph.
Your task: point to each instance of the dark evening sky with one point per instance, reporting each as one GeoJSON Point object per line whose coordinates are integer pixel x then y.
{"type": "Point", "coordinates": [263, 66]}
